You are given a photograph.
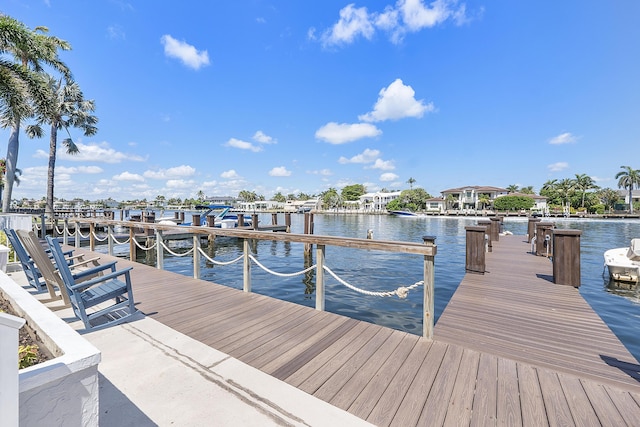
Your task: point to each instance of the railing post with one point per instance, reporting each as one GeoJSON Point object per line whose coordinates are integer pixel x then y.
{"type": "Point", "coordinates": [495, 229]}
{"type": "Point", "coordinates": [110, 238]}
{"type": "Point", "coordinates": [77, 232]}
{"type": "Point", "coordinates": [92, 242]}
{"type": "Point", "coordinates": [65, 238]}
{"type": "Point", "coordinates": [159, 251]}
{"type": "Point", "coordinates": [132, 244]}
{"type": "Point", "coordinates": [43, 223]}
{"type": "Point", "coordinates": [196, 256]}
{"type": "Point", "coordinates": [246, 269]}
{"type": "Point", "coordinates": [428, 319]}
{"type": "Point", "coordinates": [320, 251]}
{"type": "Point", "coordinates": [9, 395]}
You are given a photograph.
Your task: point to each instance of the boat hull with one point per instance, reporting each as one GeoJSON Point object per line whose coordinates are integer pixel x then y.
{"type": "Point", "coordinates": [621, 268]}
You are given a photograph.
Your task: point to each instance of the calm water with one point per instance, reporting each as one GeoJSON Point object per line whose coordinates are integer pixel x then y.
{"type": "Point", "coordinates": [379, 271]}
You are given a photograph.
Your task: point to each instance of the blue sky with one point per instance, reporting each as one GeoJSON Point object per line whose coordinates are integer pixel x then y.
{"type": "Point", "coordinates": [301, 96]}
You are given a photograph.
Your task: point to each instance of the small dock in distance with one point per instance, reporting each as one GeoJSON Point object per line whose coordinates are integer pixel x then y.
{"type": "Point", "coordinates": [511, 348]}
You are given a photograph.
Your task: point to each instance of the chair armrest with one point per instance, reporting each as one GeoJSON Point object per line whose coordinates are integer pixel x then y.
{"type": "Point", "coordinates": [101, 279]}
{"type": "Point", "coordinates": [85, 262]}
{"type": "Point", "coordinates": [94, 270]}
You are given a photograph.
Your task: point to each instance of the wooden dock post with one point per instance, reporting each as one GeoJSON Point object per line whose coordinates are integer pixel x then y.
{"type": "Point", "coordinates": [132, 244]}
{"type": "Point", "coordinates": [287, 221]}
{"type": "Point", "coordinates": [487, 223]}
{"type": "Point", "coordinates": [543, 238]}
{"type": "Point", "coordinates": [428, 316]}
{"type": "Point", "coordinates": [195, 221]}
{"type": "Point", "coordinates": [494, 232]}
{"type": "Point", "coordinates": [240, 220]}
{"type": "Point", "coordinates": [566, 257]}
{"type": "Point", "coordinates": [531, 228]}
{"type": "Point", "coordinates": [254, 221]}
{"type": "Point", "coordinates": [475, 256]}
{"type": "Point", "coordinates": [308, 229]}
{"type": "Point", "coordinates": [274, 218]}
{"type": "Point", "coordinates": [211, 220]}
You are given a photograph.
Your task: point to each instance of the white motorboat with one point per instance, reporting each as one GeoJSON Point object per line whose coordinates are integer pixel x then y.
{"type": "Point", "coordinates": [624, 263]}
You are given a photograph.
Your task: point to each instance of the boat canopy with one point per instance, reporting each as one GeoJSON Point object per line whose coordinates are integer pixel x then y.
{"type": "Point", "coordinates": [634, 250]}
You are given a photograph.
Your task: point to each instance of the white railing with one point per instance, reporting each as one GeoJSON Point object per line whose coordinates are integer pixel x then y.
{"type": "Point", "coordinates": [154, 236]}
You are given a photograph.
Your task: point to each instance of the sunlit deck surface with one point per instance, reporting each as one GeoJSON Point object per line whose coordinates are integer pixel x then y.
{"type": "Point", "coordinates": [511, 348]}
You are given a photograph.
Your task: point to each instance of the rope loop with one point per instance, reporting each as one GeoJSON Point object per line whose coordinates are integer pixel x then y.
{"type": "Point", "coordinates": [208, 258]}
{"type": "Point", "coordinates": [275, 273]}
{"type": "Point", "coordinates": [166, 248]}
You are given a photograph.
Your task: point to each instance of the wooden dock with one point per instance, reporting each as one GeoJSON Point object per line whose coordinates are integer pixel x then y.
{"type": "Point", "coordinates": [511, 348]}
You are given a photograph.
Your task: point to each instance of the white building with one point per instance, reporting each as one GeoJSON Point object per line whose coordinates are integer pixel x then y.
{"type": "Point", "coordinates": [376, 202]}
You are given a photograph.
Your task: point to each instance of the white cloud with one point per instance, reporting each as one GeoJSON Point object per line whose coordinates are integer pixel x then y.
{"type": "Point", "coordinates": [367, 156]}
{"type": "Point", "coordinates": [558, 166]}
{"type": "Point", "coordinates": [353, 22]}
{"type": "Point", "coordinates": [417, 16]}
{"type": "Point", "coordinates": [279, 171]}
{"type": "Point", "coordinates": [175, 172]}
{"type": "Point", "coordinates": [395, 102]}
{"type": "Point", "coordinates": [98, 152]}
{"type": "Point", "coordinates": [262, 138]}
{"type": "Point", "coordinates": [243, 145]}
{"type": "Point", "coordinates": [188, 54]}
{"type": "Point", "coordinates": [386, 177]}
{"type": "Point", "coordinates": [116, 32]}
{"type": "Point", "coordinates": [79, 169]}
{"type": "Point", "coordinates": [385, 165]}
{"type": "Point", "coordinates": [230, 174]}
{"type": "Point", "coordinates": [180, 183]}
{"type": "Point", "coordinates": [563, 138]}
{"type": "Point", "coordinates": [128, 176]}
{"type": "Point", "coordinates": [340, 133]}
{"type": "Point", "coordinates": [397, 20]}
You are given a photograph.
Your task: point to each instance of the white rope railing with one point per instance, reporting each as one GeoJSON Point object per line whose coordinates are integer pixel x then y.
{"type": "Point", "coordinates": [275, 273]}
{"type": "Point", "coordinates": [57, 230]}
{"type": "Point", "coordinates": [95, 236]}
{"type": "Point", "coordinates": [166, 248]}
{"type": "Point", "coordinates": [219, 262]}
{"type": "Point", "coordinates": [80, 232]}
{"type": "Point", "coordinates": [117, 242]}
{"type": "Point", "coordinates": [401, 292]}
{"type": "Point", "coordinates": [144, 248]}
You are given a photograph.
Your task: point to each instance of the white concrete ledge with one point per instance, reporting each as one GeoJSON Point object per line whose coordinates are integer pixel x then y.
{"type": "Point", "coordinates": [64, 390]}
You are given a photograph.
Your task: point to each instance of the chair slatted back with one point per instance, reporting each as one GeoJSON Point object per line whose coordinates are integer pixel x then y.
{"type": "Point", "coordinates": [44, 263]}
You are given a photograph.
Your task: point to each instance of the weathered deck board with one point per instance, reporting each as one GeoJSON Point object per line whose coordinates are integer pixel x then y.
{"type": "Point", "coordinates": [510, 349]}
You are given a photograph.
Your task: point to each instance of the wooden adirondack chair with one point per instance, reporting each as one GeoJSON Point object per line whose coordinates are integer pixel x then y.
{"type": "Point", "coordinates": [46, 269]}
{"type": "Point", "coordinates": [90, 293]}
{"type": "Point", "coordinates": [28, 266]}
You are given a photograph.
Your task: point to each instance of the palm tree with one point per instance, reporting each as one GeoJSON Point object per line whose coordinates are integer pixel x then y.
{"type": "Point", "coordinates": [25, 86]}
{"type": "Point", "coordinates": [629, 178]}
{"type": "Point", "coordinates": [513, 188]}
{"type": "Point", "coordinates": [584, 182]}
{"type": "Point", "coordinates": [527, 190]}
{"type": "Point", "coordinates": [411, 181]}
{"type": "Point", "coordinates": [67, 108]}
{"type": "Point", "coordinates": [609, 197]}
{"type": "Point", "coordinates": [565, 188]}
{"type": "Point", "coordinates": [200, 195]}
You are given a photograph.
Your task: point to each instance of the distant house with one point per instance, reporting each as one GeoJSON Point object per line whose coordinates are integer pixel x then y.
{"type": "Point", "coordinates": [540, 202]}
{"type": "Point", "coordinates": [470, 197]}
{"type": "Point", "coordinates": [436, 204]}
{"type": "Point", "coordinates": [376, 202]}
{"type": "Point", "coordinates": [220, 200]}
{"type": "Point", "coordinates": [635, 196]}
